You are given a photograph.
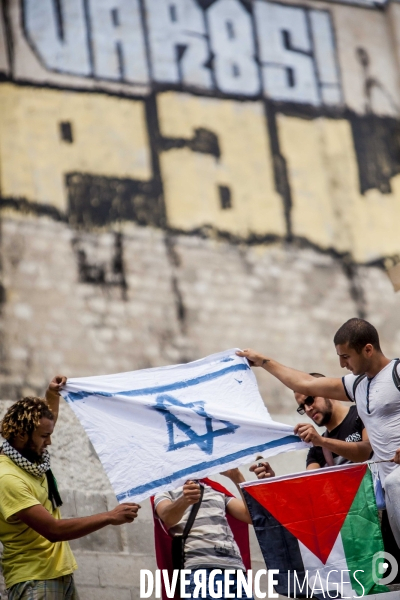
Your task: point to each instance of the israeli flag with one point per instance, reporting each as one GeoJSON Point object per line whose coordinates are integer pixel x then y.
{"type": "Point", "coordinates": [154, 429]}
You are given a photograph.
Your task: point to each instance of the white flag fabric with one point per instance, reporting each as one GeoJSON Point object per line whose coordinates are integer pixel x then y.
{"type": "Point", "coordinates": [156, 428]}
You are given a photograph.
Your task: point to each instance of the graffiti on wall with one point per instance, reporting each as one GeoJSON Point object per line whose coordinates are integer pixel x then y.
{"type": "Point", "coordinates": [195, 116]}
{"type": "Point", "coordinates": [227, 46]}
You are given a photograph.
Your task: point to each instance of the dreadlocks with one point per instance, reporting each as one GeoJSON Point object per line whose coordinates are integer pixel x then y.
{"type": "Point", "coordinates": [24, 416]}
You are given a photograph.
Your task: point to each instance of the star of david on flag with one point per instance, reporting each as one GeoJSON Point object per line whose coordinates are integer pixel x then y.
{"type": "Point", "coordinates": [204, 441]}
{"type": "Point", "coordinates": [156, 428]}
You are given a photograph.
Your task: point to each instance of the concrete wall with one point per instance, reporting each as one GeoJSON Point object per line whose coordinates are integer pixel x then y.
{"type": "Point", "coordinates": [211, 295]}
{"type": "Point", "coordinates": [182, 297]}
{"type": "Point", "coordinates": [178, 178]}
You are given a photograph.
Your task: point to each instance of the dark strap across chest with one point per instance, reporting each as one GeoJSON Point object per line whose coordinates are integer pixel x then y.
{"type": "Point", "coordinates": [395, 375]}
{"type": "Point", "coordinates": [356, 384]}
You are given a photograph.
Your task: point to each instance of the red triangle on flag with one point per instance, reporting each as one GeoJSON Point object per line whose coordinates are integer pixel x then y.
{"type": "Point", "coordinates": [312, 507]}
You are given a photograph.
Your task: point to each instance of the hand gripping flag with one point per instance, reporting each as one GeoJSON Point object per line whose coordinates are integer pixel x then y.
{"type": "Point", "coordinates": [163, 541]}
{"type": "Point", "coordinates": [320, 529]}
{"type": "Point", "coordinates": [154, 429]}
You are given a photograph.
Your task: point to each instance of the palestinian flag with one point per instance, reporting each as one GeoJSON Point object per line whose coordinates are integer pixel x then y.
{"type": "Point", "coordinates": [318, 528]}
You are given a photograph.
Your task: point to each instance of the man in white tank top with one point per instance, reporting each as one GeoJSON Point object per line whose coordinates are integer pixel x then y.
{"type": "Point", "coordinates": [374, 386]}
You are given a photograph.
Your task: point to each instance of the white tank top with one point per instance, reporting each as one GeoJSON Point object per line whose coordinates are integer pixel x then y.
{"type": "Point", "coordinates": [378, 404]}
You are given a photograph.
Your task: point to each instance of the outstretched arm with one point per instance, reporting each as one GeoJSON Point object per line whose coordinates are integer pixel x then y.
{"type": "Point", "coordinates": [53, 394]}
{"type": "Point", "coordinates": [328, 387]}
{"type": "Point", "coordinates": [60, 530]}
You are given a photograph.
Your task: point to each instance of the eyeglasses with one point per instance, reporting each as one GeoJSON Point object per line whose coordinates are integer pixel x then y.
{"type": "Point", "coordinates": [309, 401]}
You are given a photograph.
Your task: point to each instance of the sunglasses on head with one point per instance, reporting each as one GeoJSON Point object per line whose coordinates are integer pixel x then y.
{"type": "Point", "coordinates": [309, 401]}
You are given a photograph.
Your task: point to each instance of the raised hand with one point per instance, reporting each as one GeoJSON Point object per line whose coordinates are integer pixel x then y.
{"type": "Point", "coordinates": [56, 384]}
{"type": "Point", "coordinates": [255, 359]}
{"type": "Point", "coordinates": [263, 470]}
{"type": "Point", "coordinates": [191, 492]}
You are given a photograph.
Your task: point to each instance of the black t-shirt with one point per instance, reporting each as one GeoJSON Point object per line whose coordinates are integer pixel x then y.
{"type": "Point", "coordinates": [349, 430]}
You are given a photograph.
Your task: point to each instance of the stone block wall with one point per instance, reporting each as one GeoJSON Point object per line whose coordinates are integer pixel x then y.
{"type": "Point", "coordinates": [182, 298]}
{"type": "Point", "coordinates": [109, 561]}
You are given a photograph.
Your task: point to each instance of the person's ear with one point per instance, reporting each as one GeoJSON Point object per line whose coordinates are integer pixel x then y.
{"type": "Point", "coordinates": [368, 350]}
{"type": "Point", "coordinates": [20, 439]}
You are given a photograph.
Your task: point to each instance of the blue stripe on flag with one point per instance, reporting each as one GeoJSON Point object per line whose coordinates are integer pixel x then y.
{"type": "Point", "coordinates": [76, 396]}
{"type": "Point", "coordinates": [147, 487]}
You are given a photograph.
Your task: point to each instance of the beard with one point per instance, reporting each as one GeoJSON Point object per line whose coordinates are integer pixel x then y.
{"type": "Point", "coordinates": [29, 452]}
{"type": "Point", "coordinates": [326, 414]}
{"type": "Point", "coordinates": [325, 418]}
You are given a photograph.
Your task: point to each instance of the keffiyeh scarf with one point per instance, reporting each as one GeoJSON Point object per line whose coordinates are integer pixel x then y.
{"type": "Point", "coordinates": [36, 469]}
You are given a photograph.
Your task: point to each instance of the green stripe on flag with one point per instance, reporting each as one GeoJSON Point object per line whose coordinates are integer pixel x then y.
{"type": "Point", "coordinates": [362, 538]}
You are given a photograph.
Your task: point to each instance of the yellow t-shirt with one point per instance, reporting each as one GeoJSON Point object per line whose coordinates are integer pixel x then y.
{"type": "Point", "coordinates": [28, 555]}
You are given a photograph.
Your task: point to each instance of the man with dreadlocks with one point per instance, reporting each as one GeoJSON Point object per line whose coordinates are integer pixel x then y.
{"type": "Point", "coordinates": [37, 560]}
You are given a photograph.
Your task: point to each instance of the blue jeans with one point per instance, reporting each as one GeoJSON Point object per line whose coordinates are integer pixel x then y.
{"type": "Point", "coordinates": [218, 586]}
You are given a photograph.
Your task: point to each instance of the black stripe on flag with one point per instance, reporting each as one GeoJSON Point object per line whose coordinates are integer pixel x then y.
{"type": "Point", "coordinates": [281, 551]}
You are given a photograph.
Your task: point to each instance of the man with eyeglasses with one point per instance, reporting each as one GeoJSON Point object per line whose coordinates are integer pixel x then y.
{"type": "Point", "coordinates": [374, 384]}
{"type": "Point", "coordinates": [344, 440]}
